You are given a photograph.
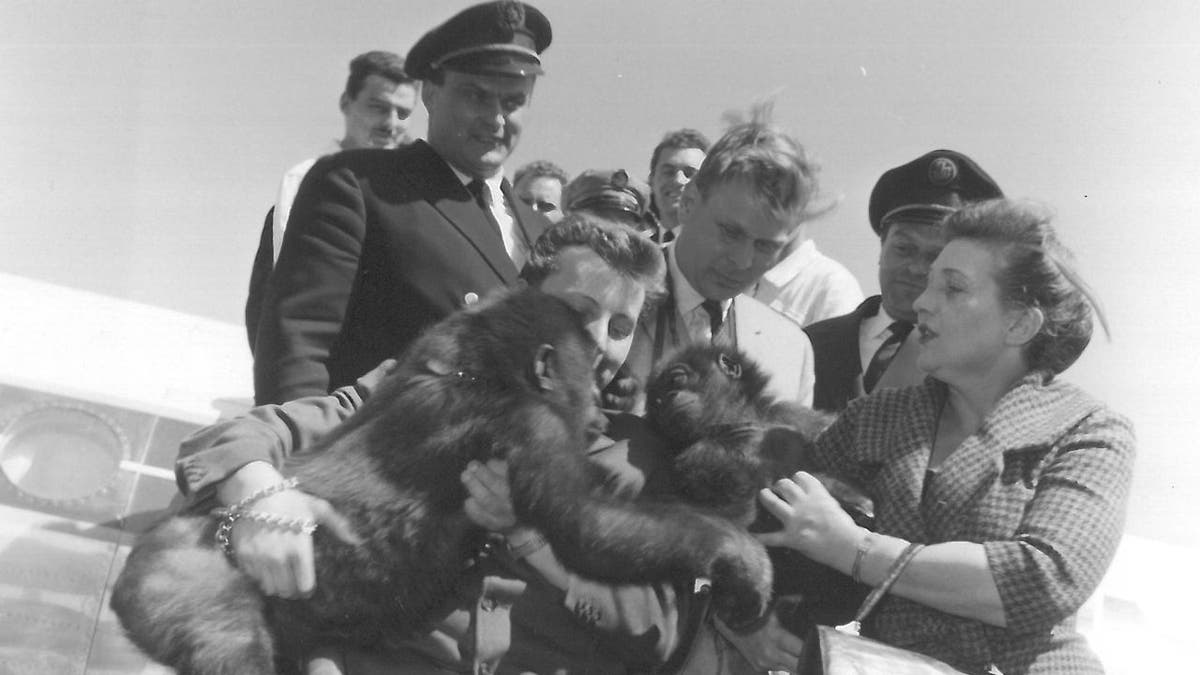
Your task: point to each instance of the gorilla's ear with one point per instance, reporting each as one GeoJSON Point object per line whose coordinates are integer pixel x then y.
{"type": "Point", "coordinates": [545, 368]}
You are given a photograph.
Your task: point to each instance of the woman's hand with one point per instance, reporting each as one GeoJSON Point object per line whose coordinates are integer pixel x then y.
{"type": "Point", "coordinates": [279, 560]}
{"type": "Point", "coordinates": [489, 504]}
{"type": "Point", "coordinates": [813, 521]}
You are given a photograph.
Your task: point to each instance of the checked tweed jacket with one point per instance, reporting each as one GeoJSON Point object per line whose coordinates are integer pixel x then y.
{"type": "Point", "coordinates": [1042, 485]}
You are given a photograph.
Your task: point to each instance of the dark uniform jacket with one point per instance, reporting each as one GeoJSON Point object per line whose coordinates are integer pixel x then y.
{"type": "Point", "coordinates": [838, 363]}
{"type": "Point", "coordinates": [380, 244]}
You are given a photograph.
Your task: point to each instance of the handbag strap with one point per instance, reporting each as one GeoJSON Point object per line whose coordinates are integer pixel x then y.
{"type": "Point", "coordinates": [881, 590]}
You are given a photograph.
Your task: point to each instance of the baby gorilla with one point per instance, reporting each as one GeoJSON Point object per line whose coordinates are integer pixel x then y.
{"type": "Point", "coordinates": [729, 439]}
{"type": "Point", "coordinates": [509, 378]}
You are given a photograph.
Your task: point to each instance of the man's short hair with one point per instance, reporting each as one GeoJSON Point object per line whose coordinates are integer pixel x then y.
{"type": "Point", "coordinates": [628, 252]}
{"type": "Point", "coordinates": [541, 167]}
{"type": "Point", "coordinates": [384, 64]}
{"type": "Point", "coordinates": [682, 139]}
{"type": "Point", "coordinates": [766, 158]}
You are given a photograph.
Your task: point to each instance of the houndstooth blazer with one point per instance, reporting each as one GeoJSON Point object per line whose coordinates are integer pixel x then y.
{"type": "Point", "coordinates": [1042, 485]}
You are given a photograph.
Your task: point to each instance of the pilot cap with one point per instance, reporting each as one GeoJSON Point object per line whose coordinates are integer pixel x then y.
{"type": "Point", "coordinates": [929, 188]}
{"type": "Point", "coordinates": [606, 190]}
{"type": "Point", "coordinates": [494, 38]}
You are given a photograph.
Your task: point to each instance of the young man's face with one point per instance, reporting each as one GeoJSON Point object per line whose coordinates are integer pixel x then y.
{"type": "Point", "coordinates": [675, 167]}
{"type": "Point", "coordinates": [378, 116]}
{"type": "Point", "coordinates": [729, 240]}
{"type": "Point", "coordinates": [475, 120]}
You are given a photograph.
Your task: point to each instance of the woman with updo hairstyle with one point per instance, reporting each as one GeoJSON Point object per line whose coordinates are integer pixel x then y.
{"type": "Point", "coordinates": [1014, 481]}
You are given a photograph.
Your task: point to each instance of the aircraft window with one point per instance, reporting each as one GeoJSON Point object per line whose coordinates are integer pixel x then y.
{"type": "Point", "coordinates": [60, 453]}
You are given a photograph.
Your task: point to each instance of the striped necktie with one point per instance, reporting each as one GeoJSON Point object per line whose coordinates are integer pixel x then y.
{"type": "Point", "coordinates": [886, 352]}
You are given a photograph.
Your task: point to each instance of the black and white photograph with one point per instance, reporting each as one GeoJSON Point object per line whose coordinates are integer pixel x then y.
{"type": "Point", "coordinates": [676, 337]}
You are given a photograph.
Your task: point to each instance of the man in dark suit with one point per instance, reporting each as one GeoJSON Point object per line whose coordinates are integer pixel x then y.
{"type": "Point", "coordinates": [376, 105]}
{"type": "Point", "coordinates": [874, 346]}
{"type": "Point", "coordinates": [383, 243]}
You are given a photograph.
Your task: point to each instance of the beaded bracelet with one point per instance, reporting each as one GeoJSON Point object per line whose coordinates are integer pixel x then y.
{"type": "Point", "coordinates": [297, 525]}
{"type": "Point", "coordinates": [229, 516]}
{"type": "Point", "coordinates": [286, 484]}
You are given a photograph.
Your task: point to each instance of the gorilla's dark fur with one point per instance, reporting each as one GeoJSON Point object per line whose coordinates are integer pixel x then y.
{"type": "Point", "coordinates": [509, 378]}
{"type": "Point", "coordinates": [729, 439]}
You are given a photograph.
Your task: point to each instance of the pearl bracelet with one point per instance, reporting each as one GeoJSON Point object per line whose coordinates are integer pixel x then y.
{"type": "Point", "coordinates": [229, 516]}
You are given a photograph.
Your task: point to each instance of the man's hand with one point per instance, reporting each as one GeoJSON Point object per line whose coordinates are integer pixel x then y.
{"type": "Point", "coordinates": [768, 648]}
{"type": "Point", "coordinates": [489, 504]}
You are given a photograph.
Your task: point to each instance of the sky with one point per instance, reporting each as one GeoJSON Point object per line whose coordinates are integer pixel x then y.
{"type": "Point", "coordinates": [141, 143]}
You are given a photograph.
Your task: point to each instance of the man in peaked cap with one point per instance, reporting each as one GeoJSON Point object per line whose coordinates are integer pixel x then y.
{"type": "Point", "coordinates": [608, 193]}
{"type": "Point", "coordinates": [874, 346]}
{"type": "Point", "coordinates": [383, 243]}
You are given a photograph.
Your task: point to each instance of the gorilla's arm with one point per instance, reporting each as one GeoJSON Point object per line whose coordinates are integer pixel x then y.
{"type": "Point", "coordinates": [610, 539]}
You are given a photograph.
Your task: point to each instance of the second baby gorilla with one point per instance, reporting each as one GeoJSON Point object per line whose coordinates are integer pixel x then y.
{"type": "Point", "coordinates": [728, 439]}
{"type": "Point", "coordinates": [509, 378]}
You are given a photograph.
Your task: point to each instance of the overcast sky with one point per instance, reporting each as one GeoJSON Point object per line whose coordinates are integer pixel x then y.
{"type": "Point", "coordinates": [141, 143]}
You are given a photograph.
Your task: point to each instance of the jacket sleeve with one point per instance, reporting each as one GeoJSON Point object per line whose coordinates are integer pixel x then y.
{"type": "Point", "coordinates": [1069, 533]}
{"type": "Point", "coordinates": [643, 624]}
{"type": "Point", "coordinates": [268, 433]}
{"type": "Point", "coordinates": [808, 372]}
{"type": "Point", "coordinates": [308, 292]}
{"type": "Point", "coordinates": [260, 271]}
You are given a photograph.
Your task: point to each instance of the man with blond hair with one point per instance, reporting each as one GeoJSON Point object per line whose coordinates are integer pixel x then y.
{"type": "Point", "coordinates": [737, 216]}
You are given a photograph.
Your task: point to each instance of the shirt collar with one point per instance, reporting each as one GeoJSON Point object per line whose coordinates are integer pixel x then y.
{"type": "Point", "coordinates": [800, 257]}
{"type": "Point", "coordinates": [493, 182]}
{"type": "Point", "coordinates": [687, 298]}
{"type": "Point", "coordinates": [878, 327]}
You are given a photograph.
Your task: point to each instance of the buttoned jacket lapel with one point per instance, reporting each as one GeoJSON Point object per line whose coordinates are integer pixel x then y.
{"type": "Point", "coordinates": [449, 197]}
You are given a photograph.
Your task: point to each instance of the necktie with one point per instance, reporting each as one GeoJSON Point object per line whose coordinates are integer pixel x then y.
{"type": "Point", "coordinates": [483, 197]}
{"type": "Point", "coordinates": [716, 317]}
{"type": "Point", "coordinates": [886, 352]}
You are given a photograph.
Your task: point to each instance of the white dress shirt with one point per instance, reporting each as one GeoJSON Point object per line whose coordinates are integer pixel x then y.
{"type": "Point", "coordinates": [514, 241]}
{"type": "Point", "coordinates": [809, 286]}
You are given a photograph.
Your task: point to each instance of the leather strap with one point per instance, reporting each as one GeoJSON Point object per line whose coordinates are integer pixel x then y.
{"type": "Point", "coordinates": [882, 589]}
{"type": "Point", "coordinates": [491, 626]}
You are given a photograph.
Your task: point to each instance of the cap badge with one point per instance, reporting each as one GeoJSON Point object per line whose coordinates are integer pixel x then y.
{"type": "Point", "coordinates": [619, 179]}
{"type": "Point", "coordinates": [942, 171]}
{"type": "Point", "coordinates": [512, 15]}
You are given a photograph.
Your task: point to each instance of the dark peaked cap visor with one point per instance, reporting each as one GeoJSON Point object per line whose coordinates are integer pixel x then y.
{"type": "Point", "coordinates": [493, 38]}
{"type": "Point", "coordinates": [928, 188]}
